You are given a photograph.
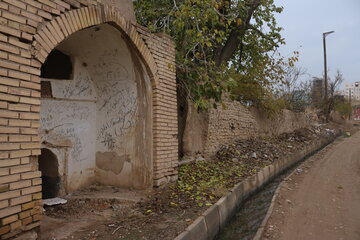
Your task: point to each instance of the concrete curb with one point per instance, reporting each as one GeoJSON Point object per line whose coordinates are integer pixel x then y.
{"type": "Point", "coordinates": [215, 218]}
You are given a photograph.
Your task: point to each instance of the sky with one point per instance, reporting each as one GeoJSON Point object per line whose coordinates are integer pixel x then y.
{"type": "Point", "coordinates": [304, 21]}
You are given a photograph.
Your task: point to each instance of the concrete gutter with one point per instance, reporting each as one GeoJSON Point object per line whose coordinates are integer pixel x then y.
{"type": "Point", "coordinates": [208, 225]}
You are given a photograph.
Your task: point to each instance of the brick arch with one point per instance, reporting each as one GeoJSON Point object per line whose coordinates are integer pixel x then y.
{"type": "Point", "coordinates": [57, 30]}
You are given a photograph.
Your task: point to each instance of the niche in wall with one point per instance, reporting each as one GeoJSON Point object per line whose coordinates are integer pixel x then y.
{"type": "Point", "coordinates": [57, 66]}
{"type": "Point", "coordinates": [49, 167]}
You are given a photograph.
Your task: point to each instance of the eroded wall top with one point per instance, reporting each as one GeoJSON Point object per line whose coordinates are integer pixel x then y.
{"type": "Point", "coordinates": [125, 7]}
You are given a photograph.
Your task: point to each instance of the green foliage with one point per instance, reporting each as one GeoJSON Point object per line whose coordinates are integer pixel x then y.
{"type": "Point", "coordinates": [215, 39]}
{"type": "Point", "coordinates": [202, 180]}
{"type": "Point", "coordinates": [250, 93]}
{"type": "Point", "coordinates": [344, 108]}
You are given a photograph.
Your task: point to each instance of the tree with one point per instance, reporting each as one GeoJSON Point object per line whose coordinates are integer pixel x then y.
{"type": "Point", "coordinates": [220, 44]}
{"type": "Point", "coordinates": [342, 106]}
{"type": "Point", "coordinates": [335, 84]}
{"type": "Point", "coordinates": [328, 105]}
{"type": "Point", "coordinates": [295, 92]}
{"type": "Point", "coordinates": [332, 88]}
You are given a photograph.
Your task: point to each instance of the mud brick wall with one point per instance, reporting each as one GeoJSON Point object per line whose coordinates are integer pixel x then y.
{"type": "Point", "coordinates": [238, 122]}
{"type": "Point", "coordinates": [227, 124]}
{"type": "Point", "coordinates": [29, 31]}
{"type": "Point", "coordinates": [206, 132]}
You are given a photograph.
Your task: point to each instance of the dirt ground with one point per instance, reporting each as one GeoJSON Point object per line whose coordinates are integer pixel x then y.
{"type": "Point", "coordinates": [321, 200]}
{"type": "Point", "coordinates": [109, 213]}
{"type": "Point", "coordinates": [99, 217]}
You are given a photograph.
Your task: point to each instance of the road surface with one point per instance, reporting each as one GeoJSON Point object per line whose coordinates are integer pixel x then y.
{"type": "Point", "coordinates": [321, 200]}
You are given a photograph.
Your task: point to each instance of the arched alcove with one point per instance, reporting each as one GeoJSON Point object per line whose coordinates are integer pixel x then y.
{"type": "Point", "coordinates": [99, 121]}
{"type": "Point", "coordinates": [49, 167]}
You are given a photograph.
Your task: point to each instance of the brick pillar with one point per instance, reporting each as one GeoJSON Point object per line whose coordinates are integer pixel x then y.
{"type": "Point", "coordinates": [165, 107]}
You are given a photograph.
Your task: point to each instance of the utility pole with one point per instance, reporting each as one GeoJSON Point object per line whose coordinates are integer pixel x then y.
{"type": "Point", "coordinates": [326, 100]}
{"type": "Point", "coordinates": [350, 95]}
{"type": "Point", "coordinates": [325, 65]}
{"type": "Point", "coordinates": [350, 100]}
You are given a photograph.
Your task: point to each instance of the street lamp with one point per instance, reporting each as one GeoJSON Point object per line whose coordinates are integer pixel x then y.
{"type": "Point", "coordinates": [325, 64]}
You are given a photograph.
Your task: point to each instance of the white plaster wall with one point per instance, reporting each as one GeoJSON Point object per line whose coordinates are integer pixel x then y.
{"type": "Point", "coordinates": [81, 87]}
{"type": "Point", "coordinates": [97, 113]}
{"type": "Point", "coordinates": [68, 125]}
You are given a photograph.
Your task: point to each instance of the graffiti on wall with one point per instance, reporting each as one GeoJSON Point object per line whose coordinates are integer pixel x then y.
{"type": "Point", "coordinates": [81, 87]}
{"type": "Point", "coordinates": [68, 123]}
{"type": "Point", "coordinates": [120, 111]}
{"type": "Point", "coordinates": [117, 99]}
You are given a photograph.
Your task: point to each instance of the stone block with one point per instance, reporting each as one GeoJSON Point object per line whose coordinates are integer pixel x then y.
{"type": "Point", "coordinates": [21, 153]}
{"type": "Point", "coordinates": [226, 206]}
{"type": "Point", "coordinates": [29, 190]}
{"type": "Point", "coordinates": [253, 182]}
{"type": "Point", "coordinates": [212, 220]}
{"type": "Point", "coordinates": [9, 211]}
{"type": "Point", "coordinates": [20, 184]}
{"type": "Point", "coordinates": [10, 219]}
{"type": "Point", "coordinates": [259, 178]}
{"type": "Point", "coordinates": [9, 178]}
{"type": "Point", "coordinates": [239, 190]}
{"type": "Point", "coordinates": [272, 171]}
{"type": "Point", "coordinates": [4, 230]}
{"type": "Point", "coordinates": [20, 200]}
{"type": "Point", "coordinates": [9, 195]}
{"type": "Point", "coordinates": [198, 229]}
{"type": "Point", "coordinates": [247, 187]}
{"type": "Point", "coordinates": [266, 174]}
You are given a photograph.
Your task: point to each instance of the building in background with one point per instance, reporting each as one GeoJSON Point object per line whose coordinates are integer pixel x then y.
{"type": "Point", "coordinates": [356, 113]}
{"type": "Point", "coordinates": [317, 91]}
{"type": "Point", "coordinates": [351, 90]}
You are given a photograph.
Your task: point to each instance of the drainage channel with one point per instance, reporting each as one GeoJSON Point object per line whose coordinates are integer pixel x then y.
{"type": "Point", "coordinates": [248, 218]}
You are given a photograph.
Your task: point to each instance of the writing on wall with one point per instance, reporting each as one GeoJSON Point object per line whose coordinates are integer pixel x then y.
{"type": "Point", "coordinates": [68, 124]}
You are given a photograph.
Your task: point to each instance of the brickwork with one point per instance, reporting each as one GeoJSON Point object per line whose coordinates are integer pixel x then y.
{"type": "Point", "coordinates": [223, 126]}
{"type": "Point", "coordinates": [29, 31]}
{"type": "Point", "coordinates": [165, 107]}
{"type": "Point", "coordinates": [227, 124]}
{"type": "Point", "coordinates": [238, 122]}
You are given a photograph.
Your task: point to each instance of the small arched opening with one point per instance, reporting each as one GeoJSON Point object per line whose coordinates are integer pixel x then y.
{"type": "Point", "coordinates": [49, 167]}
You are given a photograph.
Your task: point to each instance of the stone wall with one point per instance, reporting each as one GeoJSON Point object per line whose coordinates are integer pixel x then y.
{"type": "Point", "coordinates": [29, 31]}
{"type": "Point", "coordinates": [205, 132]}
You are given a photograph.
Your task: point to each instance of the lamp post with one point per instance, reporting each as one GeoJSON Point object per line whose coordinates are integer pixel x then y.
{"type": "Point", "coordinates": [350, 103]}
{"type": "Point", "coordinates": [325, 65]}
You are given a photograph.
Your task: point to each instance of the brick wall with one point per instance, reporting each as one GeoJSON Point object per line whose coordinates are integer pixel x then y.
{"type": "Point", "coordinates": [165, 107]}
{"type": "Point", "coordinates": [227, 124]}
{"type": "Point", "coordinates": [29, 31]}
{"type": "Point", "coordinates": [206, 132]}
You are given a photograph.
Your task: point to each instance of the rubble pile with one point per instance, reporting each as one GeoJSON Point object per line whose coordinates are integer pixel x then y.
{"type": "Point", "coordinates": [266, 150]}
